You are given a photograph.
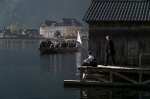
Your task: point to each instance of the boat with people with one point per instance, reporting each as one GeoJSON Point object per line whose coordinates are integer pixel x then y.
{"type": "Point", "coordinates": [49, 47]}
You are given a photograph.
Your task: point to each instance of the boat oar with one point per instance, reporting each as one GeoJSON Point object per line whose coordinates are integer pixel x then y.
{"type": "Point", "coordinates": [82, 48]}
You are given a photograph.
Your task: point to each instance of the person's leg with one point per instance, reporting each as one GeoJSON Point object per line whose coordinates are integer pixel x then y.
{"type": "Point", "coordinates": [107, 60]}
{"type": "Point", "coordinates": [113, 59]}
{"type": "Point", "coordinates": [85, 64]}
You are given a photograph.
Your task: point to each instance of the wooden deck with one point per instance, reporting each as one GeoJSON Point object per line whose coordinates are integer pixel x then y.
{"type": "Point", "coordinates": [112, 76]}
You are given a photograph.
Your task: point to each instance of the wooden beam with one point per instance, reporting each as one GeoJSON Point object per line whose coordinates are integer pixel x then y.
{"type": "Point", "coordinates": [99, 78]}
{"type": "Point", "coordinates": [146, 82]}
{"type": "Point", "coordinates": [97, 83]}
{"type": "Point", "coordinates": [140, 77]}
{"type": "Point", "coordinates": [111, 76]}
{"type": "Point", "coordinates": [126, 78]}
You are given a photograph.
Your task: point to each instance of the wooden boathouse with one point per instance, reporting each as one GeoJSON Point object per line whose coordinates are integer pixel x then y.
{"type": "Point", "coordinates": [128, 22]}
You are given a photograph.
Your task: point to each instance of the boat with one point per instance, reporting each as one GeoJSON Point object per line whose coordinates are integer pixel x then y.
{"type": "Point", "coordinates": [58, 50]}
{"type": "Point", "coordinates": [54, 50]}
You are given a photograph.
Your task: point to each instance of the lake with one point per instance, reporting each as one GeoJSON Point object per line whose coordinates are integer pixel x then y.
{"type": "Point", "coordinates": [27, 74]}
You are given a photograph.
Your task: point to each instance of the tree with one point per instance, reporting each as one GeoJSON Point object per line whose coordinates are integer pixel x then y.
{"type": "Point", "coordinates": [12, 29]}
{"type": "Point", "coordinates": [15, 29]}
{"type": "Point", "coordinates": [57, 34]}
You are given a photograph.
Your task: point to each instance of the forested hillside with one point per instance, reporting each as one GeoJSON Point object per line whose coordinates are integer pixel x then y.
{"type": "Point", "coordinates": [30, 13]}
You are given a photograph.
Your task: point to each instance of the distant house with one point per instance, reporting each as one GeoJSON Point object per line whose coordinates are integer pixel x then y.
{"type": "Point", "coordinates": [47, 29]}
{"type": "Point", "coordinates": [66, 26]}
{"type": "Point", "coordinates": [33, 33]}
{"type": "Point", "coordinates": [127, 21]}
{"type": "Point", "coordinates": [7, 33]}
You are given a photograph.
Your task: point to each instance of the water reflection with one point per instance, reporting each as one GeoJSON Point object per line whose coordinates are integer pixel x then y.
{"type": "Point", "coordinates": [113, 93]}
{"type": "Point", "coordinates": [78, 59]}
{"type": "Point", "coordinates": [55, 62]}
{"type": "Point", "coordinates": [17, 44]}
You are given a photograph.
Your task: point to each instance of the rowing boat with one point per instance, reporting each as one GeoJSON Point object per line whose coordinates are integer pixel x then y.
{"type": "Point", "coordinates": [53, 50]}
{"type": "Point", "coordinates": [58, 50]}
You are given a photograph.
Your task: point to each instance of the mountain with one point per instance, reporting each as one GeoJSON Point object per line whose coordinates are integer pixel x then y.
{"type": "Point", "coordinates": [31, 13]}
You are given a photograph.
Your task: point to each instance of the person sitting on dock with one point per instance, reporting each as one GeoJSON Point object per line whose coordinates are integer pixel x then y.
{"type": "Point", "coordinates": [90, 61]}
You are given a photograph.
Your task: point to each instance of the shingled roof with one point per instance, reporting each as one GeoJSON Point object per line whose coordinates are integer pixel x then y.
{"type": "Point", "coordinates": [68, 22]}
{"type": "Point", "coordinates": [118, 10]}
{"type": "Point", "coordinates": [47, 23]}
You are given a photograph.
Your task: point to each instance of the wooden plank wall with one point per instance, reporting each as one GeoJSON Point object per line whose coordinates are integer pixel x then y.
{"type": "Point", "coordinates": [129, 42]}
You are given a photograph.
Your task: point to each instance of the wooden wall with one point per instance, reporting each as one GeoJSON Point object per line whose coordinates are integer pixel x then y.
{"type": "Point", "coordinates": [130, 40]}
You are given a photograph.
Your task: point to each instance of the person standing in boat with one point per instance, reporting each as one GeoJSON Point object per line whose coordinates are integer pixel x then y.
{"type": "Point", "coordinates": [43, 44]}
{"type": "Point", "coordinates": [48, 43]}
{"type": "Point", "coordinates": [78, 44]}
{"type": "Point", "coordinates": [90, 61]}
{"type": "Point", "coordinates": [110, 51]}
{"type": "Point", "coordinates": [56, 44]}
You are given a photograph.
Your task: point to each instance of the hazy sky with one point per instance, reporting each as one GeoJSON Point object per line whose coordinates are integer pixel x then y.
{"type": "Point", "coordinates": [30, 13]}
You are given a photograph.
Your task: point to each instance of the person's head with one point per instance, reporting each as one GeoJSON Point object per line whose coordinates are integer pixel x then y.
{"type": "Point", "coordinates": [89, 53]}
{"type": "Point", "coordinates": [108, 37]}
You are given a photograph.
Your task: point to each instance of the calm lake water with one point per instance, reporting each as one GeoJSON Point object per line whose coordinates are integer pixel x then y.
{"type": "Point", "coordinates": [26, 74]}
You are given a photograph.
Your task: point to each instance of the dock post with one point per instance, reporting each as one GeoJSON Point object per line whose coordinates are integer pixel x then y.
{"type": "Point", "coordinates": [140, 77]}
{"type": "Point", "coordinates": [81, 75]}
{"type": "Point", "coordinates": [140, 60]}
{"type": "Point", "coordinates": [111, 76]}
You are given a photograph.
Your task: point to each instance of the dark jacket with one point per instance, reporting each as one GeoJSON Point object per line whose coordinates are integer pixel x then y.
{"type": "Point", "coordinates": [110, 48]}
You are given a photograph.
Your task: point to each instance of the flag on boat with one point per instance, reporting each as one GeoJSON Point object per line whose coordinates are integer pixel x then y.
{"type": "Point", "coordinates": [79, 38]}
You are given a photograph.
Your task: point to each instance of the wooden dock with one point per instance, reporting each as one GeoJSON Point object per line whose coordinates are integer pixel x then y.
{"type": "Point", "coordinates": [112, 76]}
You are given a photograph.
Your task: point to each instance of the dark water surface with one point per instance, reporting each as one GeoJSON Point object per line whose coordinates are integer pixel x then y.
{"type": "Point", "coordinates": [26, 74]}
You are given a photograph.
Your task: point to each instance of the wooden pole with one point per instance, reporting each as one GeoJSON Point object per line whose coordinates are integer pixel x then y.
{"type": "Point", "coordinates": [140, 60]}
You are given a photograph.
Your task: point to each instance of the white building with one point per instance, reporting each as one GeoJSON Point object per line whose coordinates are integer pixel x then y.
{"type": "Point", "coordinates": [66, 26]}
{"type": "Point", "coordinates": [47, 29]}
{"type": "Point", "coordinates": [1, 34]}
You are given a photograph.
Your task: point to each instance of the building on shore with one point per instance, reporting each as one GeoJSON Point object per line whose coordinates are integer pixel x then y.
{"type": "Point", "coordinates": [66, 27]}
{"type": "Point", "coordinates": [47, 29]}
{"type": "Point", "coordinates": [128, 23]}
{"type": "Point", "coordinates": [30, 33]}
{"type": "Point", "coordinates": [1, 34]}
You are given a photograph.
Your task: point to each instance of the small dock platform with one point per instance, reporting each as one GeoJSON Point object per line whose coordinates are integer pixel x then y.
{"type": "Point", "coordinates": [111, 76]}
